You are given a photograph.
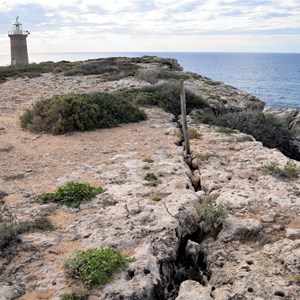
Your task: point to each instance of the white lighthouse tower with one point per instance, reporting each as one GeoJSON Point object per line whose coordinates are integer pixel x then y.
{"type": "Point", "coordinates": [18, 44]}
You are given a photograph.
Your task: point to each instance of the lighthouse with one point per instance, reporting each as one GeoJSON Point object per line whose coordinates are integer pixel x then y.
{"type": "Point", "coordinates": [18, 44]}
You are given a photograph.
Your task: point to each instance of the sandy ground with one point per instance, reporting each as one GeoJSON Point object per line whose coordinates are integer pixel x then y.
{"type": "Point", "coordinates": [32, 163]}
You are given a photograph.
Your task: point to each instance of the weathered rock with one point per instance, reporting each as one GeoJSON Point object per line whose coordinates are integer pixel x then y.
{"type": "Point", "coordinates": [292, 233]}
{"type": "Point", "coordinates": [245, 261]}
{"type": "Point", "coordinates": [10, 291]}
{"type": "Point", "coordinates": [192, 290]}
{"type": "Point", "coordinates": [290, 118]}
{"type": "Point", "coordinates": [236, 228]}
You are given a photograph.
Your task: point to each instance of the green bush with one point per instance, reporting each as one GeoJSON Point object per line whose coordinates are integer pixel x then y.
{"type": "Point", "coordinates": [95, 267]}
{"type": "Point", "coordinates": [166, 96]}
{"type": "Point", "coordinates": [79, 112]}
{"type": "Point", "coordinates": [210, 215]}
{"type": "Point", "coordinates": [31, 70]}
{"type": "Point", "coordinates": [109, 66]}
{"type": "Point", "coordinates": [73, 194]}
{"type": "Point", "coordinates": [225, 130]}
{"type": "Point", "coordinates": [264, 128]}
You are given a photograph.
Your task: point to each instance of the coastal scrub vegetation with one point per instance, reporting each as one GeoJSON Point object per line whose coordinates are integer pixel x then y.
{"type": "Point", "coordinates": [165, 96]}
{"type": "Point", "coordinates": [113, 68]}
{"type": "Point", "coordinates": [210, 214]}
{"type": "Point", "coordinates": [263, 127]}
{"type": "Point", "coordinates": [289, 171]}
{"type": "Point", "coordinates": [116, 69]}
{"type": "Point", "coordinates": [95, 267]}
{"type": "Point", "coordinates": [73, 194]}
{"type": "Point", "coordinates": [79, 112]}
{"type": "Point", "coordinates": [152, 179]}
{"type": "Point", "coordinates": [154, 75]}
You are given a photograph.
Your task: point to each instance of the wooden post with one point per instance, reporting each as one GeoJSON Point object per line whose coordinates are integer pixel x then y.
{"type": "Point", "coordinates": [184, 121]}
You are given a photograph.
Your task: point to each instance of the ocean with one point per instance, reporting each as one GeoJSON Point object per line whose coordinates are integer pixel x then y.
{"type": "Point", "coordinates": [272, 77]}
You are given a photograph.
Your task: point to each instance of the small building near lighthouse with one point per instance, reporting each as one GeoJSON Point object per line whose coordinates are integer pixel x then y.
{"type": "Point", "coordinates": [18, 44]}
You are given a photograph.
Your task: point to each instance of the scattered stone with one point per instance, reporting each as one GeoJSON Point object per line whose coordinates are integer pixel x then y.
{"type": "Point", "coordinates": [268, 218]}
{"type": "Point", "coordinates": [10, 291]}
{"type": "Point", "coordinates": [292, 233]}
{"type": "Point", "coordinates": [2, 194]}
{"type": "Point", "coordinates": [240, 229]}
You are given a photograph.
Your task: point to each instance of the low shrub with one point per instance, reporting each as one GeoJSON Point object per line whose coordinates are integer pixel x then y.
{"type": "Point", "coordinates": [39, 224]}
{"type": "Point", "coordinates": [210, 215]}
{"type": "Point", "coordinates": [156, 198]}
{"type": "Point", "coordinates": [108, 66]}
{"type": "Point", "coordinates": [73, 194]}
{"type": "Point", "coordinates": [83, 295]}
{"type": "Point", "coordinates": [225, 130]}
{"type": "Point", "coordinates": [264, 128]}
{"type": "Point", "coordinates": [79, 112]}
{"type": "Point", "coordinates": [149, 75]}
{"type": "Point", "coordinates": [165, 96]}
{"type": "Point", "coordinates": [194, 134]}
{"type": "Point", "coordinates": [33, 69]}
{"type": "Point", "coordinates": [154, 75]}
{"type": "Point", "coordinates": [96, 267]}
{"type": "Point", "coordinates": [152, 179]}
{"type": "Point", "coordinates": [289, 171]}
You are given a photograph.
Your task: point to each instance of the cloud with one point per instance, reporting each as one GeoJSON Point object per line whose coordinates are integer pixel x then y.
{"type": "Point", "coordinates": [56, 21]}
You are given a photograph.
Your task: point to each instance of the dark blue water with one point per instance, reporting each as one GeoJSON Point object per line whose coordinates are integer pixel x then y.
{"type": "Point", "coordinates": [272, 77]}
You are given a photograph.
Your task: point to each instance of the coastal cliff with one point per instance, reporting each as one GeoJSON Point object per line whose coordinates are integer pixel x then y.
{"type": "Point", "coordinates": [253, 254]}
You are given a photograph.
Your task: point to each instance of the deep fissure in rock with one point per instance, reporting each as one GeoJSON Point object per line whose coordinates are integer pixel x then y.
{"type": "Point", "coordinates": [190, 263]}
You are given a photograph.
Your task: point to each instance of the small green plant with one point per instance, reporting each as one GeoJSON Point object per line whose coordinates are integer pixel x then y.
{"type": "Point", "coordinates": [156, 198]}
{"type": "Point", "coordinates": [204, 119]}
{"type": "Point", "coordinates": [82, 295]}
{"type": "Point", "coordinates": [152, 179]}
{"type": "Point", "coordinates": [271, 169]}
{"type": "Point", "coordinates": [96, 267]}
{"type": "Point", "coordinates": [291, 170]}
{"type": "Point", "coordinates": [210, 215]}
{"type": "Point", "coordinates": [148, 160]}
{"type": "Point", "coordinates": [296, 278]}
{"type": "Point", "coordinates": [73, 194]}
{"type": "Point", "coordinates": [225, 130]}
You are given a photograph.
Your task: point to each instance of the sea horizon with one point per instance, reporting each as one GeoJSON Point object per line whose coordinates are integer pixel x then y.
{"type": "Point", "coordinates": [274, 77]}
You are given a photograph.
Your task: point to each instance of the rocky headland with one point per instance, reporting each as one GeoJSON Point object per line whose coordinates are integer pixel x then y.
{"type": "Point", "coordinates": [253, 254]}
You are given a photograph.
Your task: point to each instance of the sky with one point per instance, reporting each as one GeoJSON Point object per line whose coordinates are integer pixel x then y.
{"type": "Point", "coordinates": [154, 25]}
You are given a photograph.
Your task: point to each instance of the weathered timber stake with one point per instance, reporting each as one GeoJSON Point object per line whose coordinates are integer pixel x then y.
{"type": "Point", "coordinates": [184, 121]}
